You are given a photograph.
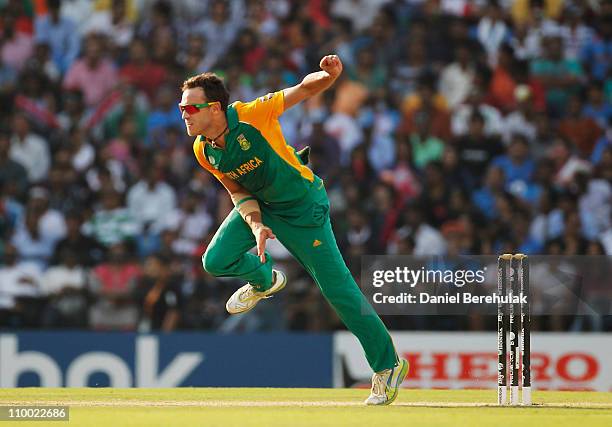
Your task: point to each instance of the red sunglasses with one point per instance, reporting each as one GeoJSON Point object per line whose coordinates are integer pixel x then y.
{"type": "Point", "coordinates": [195, 108]}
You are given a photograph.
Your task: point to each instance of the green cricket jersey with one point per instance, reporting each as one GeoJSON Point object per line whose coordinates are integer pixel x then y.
{"type": "Point", "coordinates": [256, 154]}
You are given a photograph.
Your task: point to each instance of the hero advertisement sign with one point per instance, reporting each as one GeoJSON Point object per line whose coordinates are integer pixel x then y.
{"type": "Point", "coordinates": [469, 360]}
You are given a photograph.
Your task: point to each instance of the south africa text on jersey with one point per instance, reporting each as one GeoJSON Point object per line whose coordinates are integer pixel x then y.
{"type": "Point", "coordinates": [245, 168]}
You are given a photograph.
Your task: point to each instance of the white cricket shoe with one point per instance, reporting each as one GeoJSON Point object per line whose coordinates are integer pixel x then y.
{"type": "Point", "coordinates": [385, 384]}
{"type": "Point", "coordinates": [247, 296]}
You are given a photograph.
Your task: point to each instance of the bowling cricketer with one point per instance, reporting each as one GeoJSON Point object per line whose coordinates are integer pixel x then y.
{"type": "Point", "coordinates": [276, 195]}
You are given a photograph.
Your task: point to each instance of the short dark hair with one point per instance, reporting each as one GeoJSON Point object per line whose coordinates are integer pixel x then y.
{"type": "Point", "coordinates": [212, 85]}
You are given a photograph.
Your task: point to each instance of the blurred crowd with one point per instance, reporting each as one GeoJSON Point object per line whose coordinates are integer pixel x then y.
{"type": "Point", "coordinates": [457, 127]}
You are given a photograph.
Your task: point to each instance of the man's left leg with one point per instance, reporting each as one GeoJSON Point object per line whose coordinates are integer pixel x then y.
{"type": "Point", "coordinates": [316, 249]}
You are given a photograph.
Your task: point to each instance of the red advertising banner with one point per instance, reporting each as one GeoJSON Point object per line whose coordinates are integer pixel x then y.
{"type": "Point", "coordinates": [463, 360]}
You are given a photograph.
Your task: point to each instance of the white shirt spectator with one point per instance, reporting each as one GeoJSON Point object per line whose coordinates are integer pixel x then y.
{"type": "Point", "coordinates": [460, 7]}
{"type": "Point", "coordinates": [34, 250]}
{"type": "Point", "coordinates": [427, 240]}
{"type": "Point", "coordinates": [360, 12]}
{"type": "Point", "coordinates": [595, 207]}
{"type": "Point", "coordinates": [101, 22]}
{"type": "Point", "coordinates": [517, 123]}
{"type": "Point", "coordinates": [52, 225]}
{"type": "Point", "coordinates": [75, 10]}
{"type": "Point", "coordinates": [575, 39]}
{"type": "Point", "coordinates": [191, 228]}
{"type": "Point", "coordinates": [59, 277]}
{"type": "Point", "coordinates": [461, 119]}
{"type": "Point", "coordinates": [547, 226]}
{"type": "Point", "coordinates": [566, 174]}
{"type": "Point", "coordinates": [491, 34]}
{"type": "Point", "coordinates": [382, 150]}
{"type": "Point", "coordinates": [456, 83]}
{"type": "Point", "coordinates": [527, 48]}
{"type": "Point", "coordinates": [606, 240]}
{"type": "Point", "coordinates": [33, 154]}
{"type": "Point", "coordinates": [347, 131]}
{"type": "Point", "coordinates": [151, 204]}
{"type": "Point", "coordinates": [220, 35]}
{"type": "Point", "coordinates": [22, 279]}
{"type": "Point", "coordinates": [83, 157]}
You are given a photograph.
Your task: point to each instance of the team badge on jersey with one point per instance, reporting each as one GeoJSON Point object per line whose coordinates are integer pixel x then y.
{"type": "Point", "coordinates": [244, 143]}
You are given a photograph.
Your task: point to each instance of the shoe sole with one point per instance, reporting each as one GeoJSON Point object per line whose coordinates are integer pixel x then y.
{"type": "Point", "coordinates": [400, 379]}
{"type": "Point", "coordinates": [278, 289]}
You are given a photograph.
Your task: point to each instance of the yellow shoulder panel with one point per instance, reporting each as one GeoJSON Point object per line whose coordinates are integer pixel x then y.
{"type": "Point", "coordinates": [263, 114]}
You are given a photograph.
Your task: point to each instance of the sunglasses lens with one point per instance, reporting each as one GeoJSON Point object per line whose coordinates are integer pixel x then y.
{"type": "Point", "coordinates": [189, 109]}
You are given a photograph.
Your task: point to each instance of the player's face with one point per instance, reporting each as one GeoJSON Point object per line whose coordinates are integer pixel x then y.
{"type": "Point", "coordinates": [198, 121]}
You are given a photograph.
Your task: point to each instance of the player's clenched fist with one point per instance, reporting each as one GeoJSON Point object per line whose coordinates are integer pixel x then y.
{"type": "Point", "coordinates": [332, 65]}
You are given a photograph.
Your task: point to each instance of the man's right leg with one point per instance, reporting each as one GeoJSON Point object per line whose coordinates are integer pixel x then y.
{"type": "Point", "coordinates": [227, 254]}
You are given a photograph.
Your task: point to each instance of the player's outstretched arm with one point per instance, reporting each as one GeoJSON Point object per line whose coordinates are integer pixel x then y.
{"type": "Point", "coordinates": [248, 208]}
{"type": "Point", "coordinates": [314, 83]}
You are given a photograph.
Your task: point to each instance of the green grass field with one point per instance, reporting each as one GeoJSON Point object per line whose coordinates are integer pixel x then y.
{"type": "Point", "coordinates": [271, 407]}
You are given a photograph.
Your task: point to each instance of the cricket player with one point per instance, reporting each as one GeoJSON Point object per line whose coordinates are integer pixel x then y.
{"type": "Point", "coordinates": [276, 195]}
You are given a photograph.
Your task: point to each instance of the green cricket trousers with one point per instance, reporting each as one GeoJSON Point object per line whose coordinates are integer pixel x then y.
{"type": "Point", "coordinates": [305, 230]}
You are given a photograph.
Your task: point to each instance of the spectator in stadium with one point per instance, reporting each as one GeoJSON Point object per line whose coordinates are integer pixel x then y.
{"type": "Point", "coordinates": [114, 23]}
{"type": "Point", "coordinates": [580, 130]}
{"type": "Point", "coordinates": [16, 45]}
{"type": "Point", "coordinates": [164, 114]}
{"type": "Point", "coordinates": [492, 31]}
{"type": "Point", "coordinates": [485, 197]}
{"type": "Point", "coordinates": [12, 173]}
{"type": "Point", "coordinates": [158, 292]}
{"type": "Point", "coordinates": [604, 143]}
{"type": "Point", "coordinates": [192, 223]}
{"type": "Point", "coordinates": [560, 76]}
{"type": "Point", "coordinates": [425, 146]}
{"type": "Point", "coordinates": [151, 199]}
{"type": "Point", "coordinates": [88, 251]}
{"type": "Point", "coordinates": [476, 149]}
{"type": "Point", "coordinates": [517, 164]}
{"type": "Point", "coordinates": [224, 21]}
{"type": "Point", "coordinates": [59, 33]}
{"type": "Point", "coordinates": [435, 198]}
{"type": "Point", "coordinates": [18, 281]}
{"type": "Point", "coordinates": [111, 223]}
{"type": "Point", "coordinates": [597, 107]}
{"type": "Point", "coordinates": [427, 240]}
{"type": "Point", "coordinates": [475, 103]}
{"type": "Point", "coordinates": [425, 98]}
{"type": "Point", "coordinates": [64, 285]}
{"type": "Point", "coordinates": [597, 49]}
{"type": "Point", "coordinates": [94, 66]}
{"type": "Point", "coordinates": [456, 79]}
{"type": "Point", "coordinates": [522, 119]}
{"type": "Point", "coordinates": [112, 285]}
{"type": "Point", "coordinates": [29, 149]}
{"type": "Point", "coordinates": [33, 247]}
{"type": "Point", "coordinates": [140, 71]}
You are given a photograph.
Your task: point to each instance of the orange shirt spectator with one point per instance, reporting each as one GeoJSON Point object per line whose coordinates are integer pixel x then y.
{"type": "Point", "coordinates": [582, 132]}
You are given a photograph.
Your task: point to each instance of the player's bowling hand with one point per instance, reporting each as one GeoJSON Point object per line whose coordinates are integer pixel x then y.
{"type": "Point", "coordinates": [332, 65]}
